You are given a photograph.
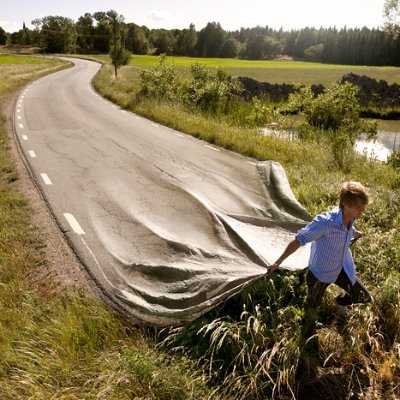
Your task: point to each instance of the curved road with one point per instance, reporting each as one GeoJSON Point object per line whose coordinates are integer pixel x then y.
{"type": "Point", "coordinates": [166, 224]}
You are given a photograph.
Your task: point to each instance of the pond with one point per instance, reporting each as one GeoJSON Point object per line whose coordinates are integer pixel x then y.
{"type": "Point", "coordinates": [388, 139]}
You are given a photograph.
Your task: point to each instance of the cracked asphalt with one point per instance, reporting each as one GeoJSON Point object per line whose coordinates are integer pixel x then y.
{"type": "Point", "coordinates": [166, 225]}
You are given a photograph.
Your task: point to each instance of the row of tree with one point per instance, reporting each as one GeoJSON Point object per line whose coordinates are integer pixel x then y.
{"type": "Point", "coordinates": [92, 33]}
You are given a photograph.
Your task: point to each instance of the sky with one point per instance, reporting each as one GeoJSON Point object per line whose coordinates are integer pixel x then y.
{"type": "Point", "coordinates": [232, 15]}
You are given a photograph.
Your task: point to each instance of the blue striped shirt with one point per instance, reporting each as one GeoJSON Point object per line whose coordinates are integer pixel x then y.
{"type": "Point", "coordinates": [330, 248]}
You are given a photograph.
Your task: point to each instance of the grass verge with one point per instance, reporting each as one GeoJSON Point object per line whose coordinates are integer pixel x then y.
{"type": "Point", "coordinates": [359, 358]}
{"type": "Point", "coordinates": [68, 346]}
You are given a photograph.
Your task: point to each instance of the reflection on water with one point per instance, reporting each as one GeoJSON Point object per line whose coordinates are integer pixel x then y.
{"type": "Point", "coordinates": [373, 150]}
{"type": "Point", "coordinates": [380, 148]}
{"type": "Point", "coordinates": [388, 139]}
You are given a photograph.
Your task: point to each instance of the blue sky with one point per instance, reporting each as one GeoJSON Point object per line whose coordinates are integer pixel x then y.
{"type": "Point", "coordinates": [232, 15]}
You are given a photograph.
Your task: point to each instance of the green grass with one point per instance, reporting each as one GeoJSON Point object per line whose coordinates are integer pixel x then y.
{"type": "Point", "coordinates": [17, 74]}
{"type": "Point", "coordinates": [235, 351]}
{"type": "Point", "coordinates": [72, 347]}
{"type": "Point", "coordinates": [68, 345]}
{"type": "Point", "coordinates": [272, 71]}
{"type": "Point", "coordinates": [9, 59]}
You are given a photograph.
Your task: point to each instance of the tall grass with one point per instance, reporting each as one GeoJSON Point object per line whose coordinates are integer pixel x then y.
{"type": "Point", "coordinates": [260, 352]}
{"type": "Point", "coordinates": [68, 346]}
{"type": "Point", "coordinates": [13, 75]}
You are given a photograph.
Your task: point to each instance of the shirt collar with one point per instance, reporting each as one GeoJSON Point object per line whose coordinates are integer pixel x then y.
{"type": "Point", "coordinates": [338, 213]}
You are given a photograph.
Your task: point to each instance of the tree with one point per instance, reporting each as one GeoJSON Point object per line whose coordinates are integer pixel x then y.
{"type": "Point", "coordinates": [272, 47]}
{"type": "Point", "coordinates": [391, 14]}
{"type": "Point", "coordinates": [210, 40]}
{"type": "Point", "coordinates": [39, 38]}
{"type": "Point", "coordinates": [255, 47]}
{"type": "Point", "coordinates": [3, 36]}
{"type": "Point", "coordinates": [118, 53]}
{"type": "Point", "coordinates": [186, 41]}
{"type": "Point", "coordinates": [136, 40]}
{"type": "Point", "coordinates": [85, 30]}
{"type": "Point", "coordinates": [163, 41]}
{"type": "Point", "coordinates": [333, 116]}
{"type": "Point", "coordinates": [59, 34]}
{"type": "Point", "coordinates": [102, 32]}
{"type": "Point", "coordinates": [307, 37]}
{"type": "Point", "coordinates": [22, 37]}
{"type": "Point", "coordinates": [314, 53]}
{"type": "Point", "coordinates": [229, 48]}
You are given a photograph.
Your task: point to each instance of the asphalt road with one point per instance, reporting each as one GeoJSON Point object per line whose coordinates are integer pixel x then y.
{"type": "Point", "coordinates": [166, 224]}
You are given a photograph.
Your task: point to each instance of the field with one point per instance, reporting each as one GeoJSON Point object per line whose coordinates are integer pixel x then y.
{"type": "Point", "coordinates": [358, 359]}
{"type": "Point", "coordinates": [70, 347]}
{"type": "Point", "coordinates": [15, 71]}
{"type": "Point", "coordinates": [10, 59]}
{"type": "Point", "coordinates": [272, 71]}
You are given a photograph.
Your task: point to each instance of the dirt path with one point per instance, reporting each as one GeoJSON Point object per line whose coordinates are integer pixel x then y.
{"type": "Point", "coordinates": [61, 270]}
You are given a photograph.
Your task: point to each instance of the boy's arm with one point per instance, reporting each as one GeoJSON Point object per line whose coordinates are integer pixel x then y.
{"type": "Point", "coordinates": [290, 249]}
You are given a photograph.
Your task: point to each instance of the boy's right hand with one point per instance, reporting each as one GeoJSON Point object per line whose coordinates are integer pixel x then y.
{"type": "Point", "coordinates": [273, 267]}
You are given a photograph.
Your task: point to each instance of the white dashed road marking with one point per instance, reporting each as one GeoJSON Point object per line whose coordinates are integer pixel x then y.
{"type": "Point", "coordinates": [74, 224]}
{"type": "Point", "coordinates": [24, 137]}
{"type": "Point", "coordinates": [32, 153]}
{"type": "Point", "coordinates": [21, 126]}
{"type": "Point", "coordinates": [46, 179]}
{"type": "Point", "coordinates": [212, 148]}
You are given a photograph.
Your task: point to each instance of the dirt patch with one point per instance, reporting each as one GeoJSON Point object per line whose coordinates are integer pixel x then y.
{"type": "Point", "coordinates": [61, 269]}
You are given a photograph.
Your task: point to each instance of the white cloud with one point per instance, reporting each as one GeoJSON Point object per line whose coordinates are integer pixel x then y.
{"type": "Point", "coordinates": [157, 16]}
{"type": "Point", "coordinates": [166, 19]}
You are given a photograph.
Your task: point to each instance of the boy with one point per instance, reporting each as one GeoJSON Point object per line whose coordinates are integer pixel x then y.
{"type": "Point", "coordinates": [330, 260]}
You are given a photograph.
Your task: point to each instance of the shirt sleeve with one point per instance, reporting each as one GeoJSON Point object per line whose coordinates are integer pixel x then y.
{"type": "Point", "coordinates": [314, 230]}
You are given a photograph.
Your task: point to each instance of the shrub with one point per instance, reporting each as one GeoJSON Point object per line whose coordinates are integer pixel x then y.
{"type": "Point", "coordinates": [394, 159]}
{"type": "Point", "coordinates": [212, 91]}
{"type": "Point", "coordinates": [160, 82]}
{"type": "Point", "coordinates": [333, 117]}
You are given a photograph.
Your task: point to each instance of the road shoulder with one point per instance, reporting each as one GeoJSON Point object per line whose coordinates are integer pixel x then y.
{"type": "Point", "coordinates": [61, 269]}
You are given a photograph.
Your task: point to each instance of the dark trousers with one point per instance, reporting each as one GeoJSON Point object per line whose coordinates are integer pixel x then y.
{"type": "Point", "coordinates": [356, 293]}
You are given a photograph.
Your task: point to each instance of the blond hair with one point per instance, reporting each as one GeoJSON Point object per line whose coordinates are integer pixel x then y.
{"type": "Point", "coordinates": [353, 192]}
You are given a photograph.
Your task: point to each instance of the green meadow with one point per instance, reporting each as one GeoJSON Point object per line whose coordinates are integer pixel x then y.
{"type": "Point", "coordinates": [271, 71]}
{"type": "Point", "coordinates": [253, 346]}
{"type": "Point", "coordinates": [15, 71]}
{"type": "Point", "coordinates": [10, 59]}
{"type": "Point", "coordinates": [70, 346]}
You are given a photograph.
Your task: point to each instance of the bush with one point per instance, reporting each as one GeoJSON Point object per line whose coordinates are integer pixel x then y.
{"type": "Point", "coordinates": [212, 91]}
{"type": "Point", "coordinates": [394, 159]}
{"type": "Point", "coordinates": [160, 82]}
{"type": "Point", "coordinates": [333, 117]}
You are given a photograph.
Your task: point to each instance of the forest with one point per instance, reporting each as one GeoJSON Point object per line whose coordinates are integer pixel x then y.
{"type": "Point", "coordinates": [91, 34]}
